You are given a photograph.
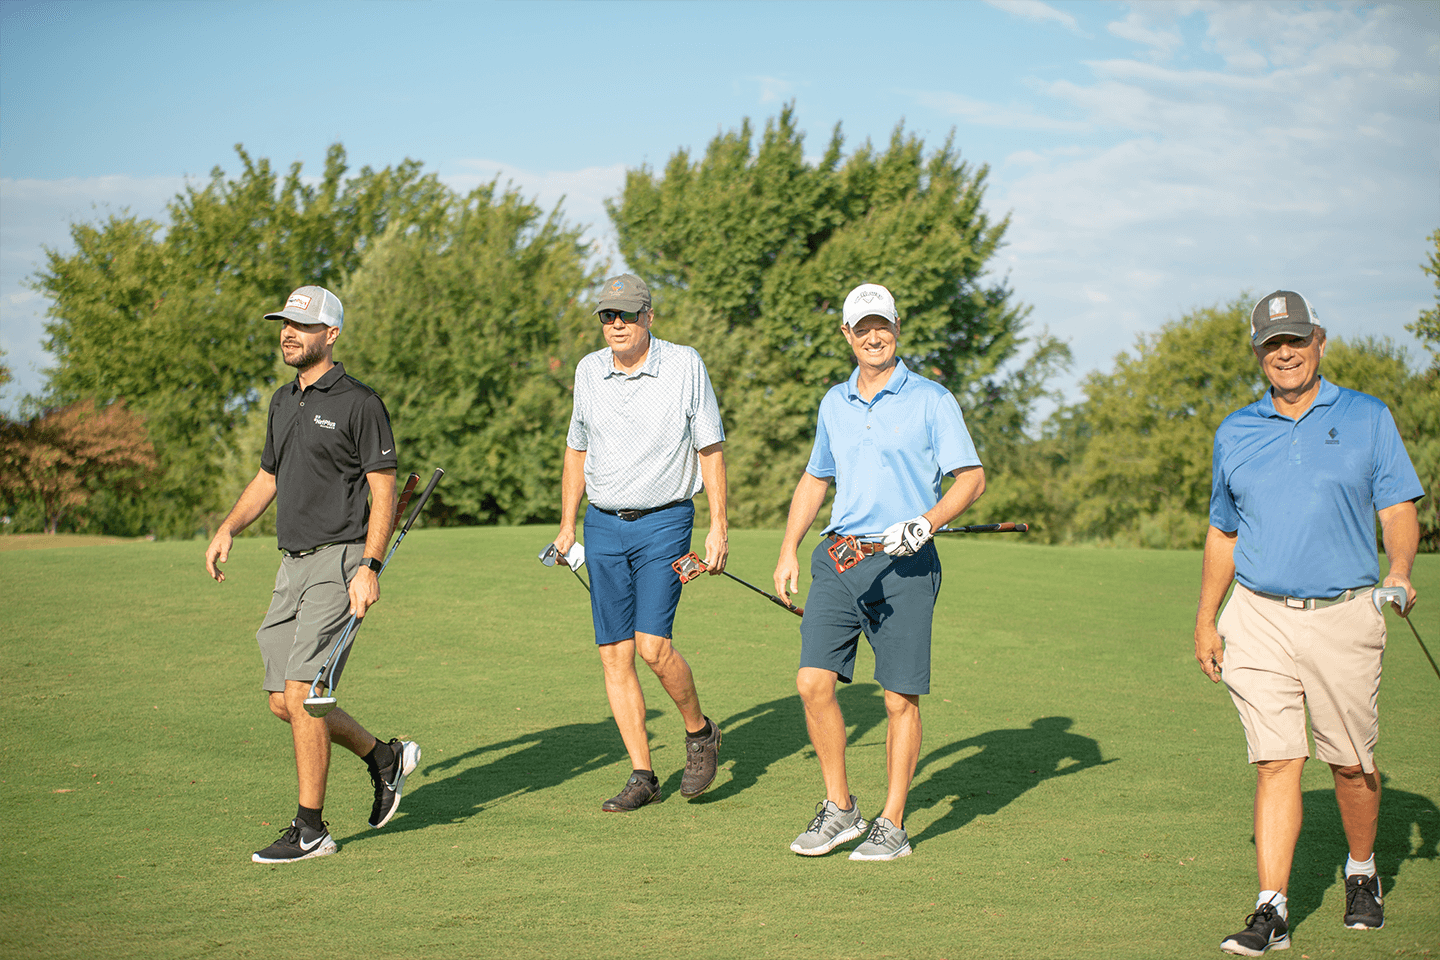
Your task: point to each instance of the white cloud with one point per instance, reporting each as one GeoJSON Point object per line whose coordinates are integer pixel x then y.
{"type": "Point", "coordinates": [1306, 160]}
{"type": "Point", "coordinates": [773, 90]}
{"type": "Point", "coordinates": [992, 115]}
{"type": "Point", "coordinates": [1036, 11]}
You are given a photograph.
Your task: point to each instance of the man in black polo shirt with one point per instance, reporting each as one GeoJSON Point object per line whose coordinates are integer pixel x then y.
{"type": "Point", "coordinates": [327, 444]}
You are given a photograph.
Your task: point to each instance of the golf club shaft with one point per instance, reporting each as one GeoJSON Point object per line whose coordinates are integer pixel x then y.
{"type": "Point", "coordinates": [1006, 527]}
{"type": "Point", "coordinates": [1422, 645]}
{"type": "Point", "coordinates": [578, 577]}
{"type": "Point", "coordinates": [798, 611]}
{"type": "Point", "coordinates": [353, 625]}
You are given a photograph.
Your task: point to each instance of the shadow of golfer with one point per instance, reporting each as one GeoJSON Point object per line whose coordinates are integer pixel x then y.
{"type": "Point", "coordinates": [1009, 763]}
{"type": "Point", "coordinates": [534, 762]}
{"type": "Point", "coordinates": [1409, 829]}
{"type": "Point", "coordinates": [771, 731]}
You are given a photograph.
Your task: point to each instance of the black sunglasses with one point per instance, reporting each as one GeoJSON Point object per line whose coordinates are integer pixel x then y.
{"type": "Point", "coordinates": [608, 317]}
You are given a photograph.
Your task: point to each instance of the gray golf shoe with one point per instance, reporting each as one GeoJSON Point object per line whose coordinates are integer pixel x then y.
{"type": "Point", "coordinates": [885, 842]}
{"type": "Point", "coordinates": [830, 828]}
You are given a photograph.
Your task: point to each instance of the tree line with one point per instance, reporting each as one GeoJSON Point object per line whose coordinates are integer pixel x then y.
{"type": "Point", "coordinates": [468, 313]}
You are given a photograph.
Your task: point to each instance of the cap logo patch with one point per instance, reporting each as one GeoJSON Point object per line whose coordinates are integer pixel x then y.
{"type": "Point", "coordinates": [1278, 308]}
{"type": "Point", "coordinates": [869, 295]}
{"type": "Point", "coordinates": [298, 300]}
{"type": "Point", "coordinates": [618, 286]}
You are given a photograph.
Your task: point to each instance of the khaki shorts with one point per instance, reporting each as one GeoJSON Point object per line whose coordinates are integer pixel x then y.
{"type": "Point", "coordinates": [1279, 661]}
{"type": "Point", "coordinates": [309, 608]}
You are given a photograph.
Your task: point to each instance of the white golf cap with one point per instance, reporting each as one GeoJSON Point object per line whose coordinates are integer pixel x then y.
{"type": "Point", "coordinates": [869, 300]}
{"type": "Point", "coordinates": [312, 305]}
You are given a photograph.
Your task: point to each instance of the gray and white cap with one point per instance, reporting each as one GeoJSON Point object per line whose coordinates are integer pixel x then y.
{"type": "Point", "coordinates": [1283, 313]}
{"type": "Point", "coordinates": [312, 305]}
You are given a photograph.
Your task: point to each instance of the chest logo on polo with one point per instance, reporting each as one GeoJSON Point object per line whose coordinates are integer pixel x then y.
{"type": "Point", "coordinates": [322, 422]}
{"type": "Point", "coordinates": [1334, 436]}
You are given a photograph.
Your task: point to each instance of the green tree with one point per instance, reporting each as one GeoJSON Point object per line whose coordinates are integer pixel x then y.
{"type": "Point", "coordinates": [470, 330]}
{"type": "Point", "coordinates": [171, 317]}
{"type": "Point", "coordinates": [1421, 417]}
{"type": "Point", "coordinates": [750, 252]}
{"type": "Point", "coordinates": [1144, 477]}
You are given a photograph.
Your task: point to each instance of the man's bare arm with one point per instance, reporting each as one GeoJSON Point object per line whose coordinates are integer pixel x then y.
{"type": "Point", "coordinates": [257, 496]}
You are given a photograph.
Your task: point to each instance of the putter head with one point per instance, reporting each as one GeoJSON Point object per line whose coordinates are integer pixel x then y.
{"type": "Point", "coordinates": [319, 706]}
{"type": "Point", "coordinates": [1384, 595]}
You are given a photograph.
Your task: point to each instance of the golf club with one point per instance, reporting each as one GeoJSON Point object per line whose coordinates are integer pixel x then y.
{"type": "Point", "coordinates": [988, 528]}
{"type": "Point", "coordinates": [574, 558]}
{"type": "Point", "coordinates": [1396, 595]}
{"type": "Point", "coordinates": [691, 566]}
{"type": "Point", "coordinates": [318, 706]}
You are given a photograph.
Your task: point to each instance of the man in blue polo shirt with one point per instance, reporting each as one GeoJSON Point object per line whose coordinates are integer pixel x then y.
{"type": "Point", "coordinates": [328, 444]}
{"type": "Point", "coordinates": [886, 437]}
{"type": "Point", "coordinates": [1298, 478]}
{"type": "Point", "coordinates": [645, 436]}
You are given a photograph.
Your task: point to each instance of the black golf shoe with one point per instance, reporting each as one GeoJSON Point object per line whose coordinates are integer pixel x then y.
{"type": "Point", "coordinates": [1264, 930]}
{"type": "Point", "coordinates": [299, 842]}
{"type": "Point", "coordinates": [389, 781]}
{"type": "Point", "coordinates": [1364, 908]}
{"type": "Point", "coordinates": [639, 790]}
{"type": "Point", "coordinates": [702, 754]}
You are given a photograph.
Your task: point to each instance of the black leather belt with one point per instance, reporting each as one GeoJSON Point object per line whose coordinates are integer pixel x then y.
{"type": "Point", "coordinates": [630, 516]}
{"type": "Point", "coordinates": [297, 554]}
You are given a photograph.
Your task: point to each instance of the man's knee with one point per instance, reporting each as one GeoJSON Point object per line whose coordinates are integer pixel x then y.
{"type": "Point", "coordinates": [276, 702]}
{"type": "Point", "coordinates": [655, 651]}
{"type": "Point", "coordinates": [815, 685]}
{"type": "Point", "coordinates": [901, 705]}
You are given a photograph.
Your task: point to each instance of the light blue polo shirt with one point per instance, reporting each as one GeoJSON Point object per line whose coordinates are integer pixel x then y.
{"type": "Point", "coordinates": [1301, 495]}
{"type": "Point", "coordinates": [887, 456]}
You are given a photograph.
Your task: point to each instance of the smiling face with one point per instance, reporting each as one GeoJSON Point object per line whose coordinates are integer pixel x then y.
{"type": "Point", "coordinates": [1292, 364]}
{"type": "Point", "coordinates": [303, 345]}
{"type": "Point", "coordinates": [872, 340]}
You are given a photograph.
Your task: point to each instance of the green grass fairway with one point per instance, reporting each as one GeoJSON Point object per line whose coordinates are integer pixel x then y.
{"type": "Point", "coordinates": [1082, 791]}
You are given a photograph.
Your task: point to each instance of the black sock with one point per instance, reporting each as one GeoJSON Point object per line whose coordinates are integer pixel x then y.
{"type": "Point", "coordinates": [702, 733]}
{"type": "Point", "coordinates": [382, 755]}
{"type": "Point", "coordinates": [310, 816]}
{"type": "Point", "coordinates": [647, 774]}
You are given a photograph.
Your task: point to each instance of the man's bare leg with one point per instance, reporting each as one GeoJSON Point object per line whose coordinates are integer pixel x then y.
{"type": "Point", "coordinates": [1278, 815]}
{"type": "Point", "coordinates": [902, 752]}
{"type": "Point", "coordinates": [627, 700]}
{"type": "Point", "coordinates": [826, 724]}
{"type": "Point", "coordinates": [675, 676]}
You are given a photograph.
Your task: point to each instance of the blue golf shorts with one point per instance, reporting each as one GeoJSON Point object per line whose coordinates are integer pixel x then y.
{"type": "Point", "coordinates": [889, 599]}
{"type": "Point", "coordinates": [633, 588]}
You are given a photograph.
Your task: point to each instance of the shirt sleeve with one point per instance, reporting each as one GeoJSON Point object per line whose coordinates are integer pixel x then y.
{"type": "Point", "coordinates": [822, 460]}
{"type": "Point", "coordinates": [1394, 479]}
{"type": "Point", "coordinates": [374, 439]}
{"type": "Point", "coordinates": [1223, 515]}
{"type": "Point", "coordinates": [705, 426]}
{"type": "Point", "coordinates": [950, 439]}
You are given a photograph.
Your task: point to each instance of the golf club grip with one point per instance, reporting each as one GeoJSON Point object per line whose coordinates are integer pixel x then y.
{"type": "Point", "coordinates": [405, 494]}
{"type": "Point", "coordinates": [420, 504]}
{"type": "Point", "coordinates": [798, 611]}
{"type": "Point", "coordinates": [1007, 527]}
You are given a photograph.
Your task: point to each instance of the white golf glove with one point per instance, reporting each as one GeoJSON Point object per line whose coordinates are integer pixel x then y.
{"type": "Point", "coordinates": [906, 538]}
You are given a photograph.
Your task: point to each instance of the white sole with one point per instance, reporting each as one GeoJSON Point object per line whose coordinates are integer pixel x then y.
{"type": "Point", "coordinates": [844, 836]}
{"type": "Point", "coordinates": [324, 850]}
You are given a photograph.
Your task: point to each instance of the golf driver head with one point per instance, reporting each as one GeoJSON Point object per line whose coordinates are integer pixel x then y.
{"type": "Point", "coordinates": [319, 706]}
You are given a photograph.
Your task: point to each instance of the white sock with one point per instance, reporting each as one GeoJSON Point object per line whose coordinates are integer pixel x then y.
{"type": "Point", "coordinates": [1362, 868]}
{"type": "Point", "coordinates": [1276, 899]}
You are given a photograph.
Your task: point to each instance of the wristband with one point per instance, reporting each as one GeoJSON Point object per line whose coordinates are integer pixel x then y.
{"type": "Point", "coordinates": [372, 563]}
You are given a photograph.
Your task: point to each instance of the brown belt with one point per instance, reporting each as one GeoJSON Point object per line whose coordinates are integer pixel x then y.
{"type": "Point", "coordinates": [867, 547]}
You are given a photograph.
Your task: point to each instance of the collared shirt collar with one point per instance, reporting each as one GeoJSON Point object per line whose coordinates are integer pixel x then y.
{"type": "Point", "coordinates": [898, 376]}
{"type": "Point", "coordinates": [650, 368]}
{"type": "Point", "coordinates": [326, 381]}
{"type": "Point", "coordinates": [1326, 396]}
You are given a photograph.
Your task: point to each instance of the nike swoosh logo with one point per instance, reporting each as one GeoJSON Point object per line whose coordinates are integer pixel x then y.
{"type": "Point", "coordinates": [383, 452]}
{"type": "Point", "coordinates": [307, 847]}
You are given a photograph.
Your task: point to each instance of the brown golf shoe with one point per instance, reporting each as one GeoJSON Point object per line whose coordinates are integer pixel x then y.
{"type": "Point", "coordinates": [702, 754]}
{"type": "Point", "coordinates": [639, 790]}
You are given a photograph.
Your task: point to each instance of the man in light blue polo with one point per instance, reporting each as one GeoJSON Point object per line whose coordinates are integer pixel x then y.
{"type": "Point", "coordinates": [885, 437]}
{"type": "Point", "coordinates": [1298, 479]}
{"type": "Point", "coordinates": [645, 435]}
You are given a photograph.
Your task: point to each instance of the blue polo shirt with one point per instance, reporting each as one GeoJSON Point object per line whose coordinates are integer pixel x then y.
{"type": "Point", "coordinates": [1301, 495]}
{"type": "Point", "coordinates": [887, 456]}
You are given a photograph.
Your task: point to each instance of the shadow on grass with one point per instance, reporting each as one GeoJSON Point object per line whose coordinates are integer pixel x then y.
{"type": "Point", "coordinates": [769, 732]}
{"type": "Point", "coordinates": [1409, 829]}
{"type": "Point", "coordinates": [1009, 763]}
{"type": "Point", "coordinates": [544, 759]}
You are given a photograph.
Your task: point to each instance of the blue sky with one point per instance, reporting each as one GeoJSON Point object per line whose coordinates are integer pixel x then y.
{"type": "Point", "coordinates": [1153, 157]}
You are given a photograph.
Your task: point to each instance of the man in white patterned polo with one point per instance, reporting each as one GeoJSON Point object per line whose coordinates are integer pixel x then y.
{"type": "Point", "coordinates": [645, 435]}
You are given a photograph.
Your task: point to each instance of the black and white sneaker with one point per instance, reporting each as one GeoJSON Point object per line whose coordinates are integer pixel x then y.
{"type": "Point", "coordinates": [1264, 930]}
{"type": "Point", "coordinates": [1364, 908]}
{"type": "Point", "coordinates": [390, 781]}
{"type": "Point", "coordinates": [300, 841]}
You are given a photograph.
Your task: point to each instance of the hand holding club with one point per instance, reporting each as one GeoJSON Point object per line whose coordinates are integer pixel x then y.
{"type": "Point", "coordinates": [906, 538]}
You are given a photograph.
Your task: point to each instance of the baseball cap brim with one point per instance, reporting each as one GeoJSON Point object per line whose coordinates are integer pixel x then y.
{"type": "Point", "coordinates": [628, 304]}
{"type": "Point", "coordinates": [297, 316]}
{"type": "Point", "coordinates": [1298, 329]}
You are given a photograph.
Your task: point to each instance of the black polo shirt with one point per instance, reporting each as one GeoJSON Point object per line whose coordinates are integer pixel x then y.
{"type": "Point", "coordinates": [319, 444]}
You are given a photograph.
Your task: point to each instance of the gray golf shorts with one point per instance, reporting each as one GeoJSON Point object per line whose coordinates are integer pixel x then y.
{"type": "Point", "coordinates": [308, 610]}
{"type": "Point", "coordinates": [890, 599]}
